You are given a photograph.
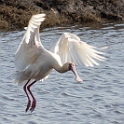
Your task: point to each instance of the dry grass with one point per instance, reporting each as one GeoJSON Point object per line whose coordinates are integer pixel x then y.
{"type": "Point", "coordinates": [91, 18]}
{"type": "Point", "coordinates": [15, 14]}
{"type": "Point", "coordinates": [3, 23]}
{"type": "Point", "coordinates": [13, 17]}
{"type": "Point", "coordinates": [53, 19]}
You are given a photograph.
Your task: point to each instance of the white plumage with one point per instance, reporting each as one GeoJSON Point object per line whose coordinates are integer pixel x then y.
{"type": "Point", "coordinates": [71, 49]}
{"type": "Point", "coordinates": [33, 61]}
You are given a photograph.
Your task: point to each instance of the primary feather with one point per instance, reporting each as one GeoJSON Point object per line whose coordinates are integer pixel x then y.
{"type": "Point", "coordinates": [30, 47]}
{"type": "Point", "coordinates": [71, 49]}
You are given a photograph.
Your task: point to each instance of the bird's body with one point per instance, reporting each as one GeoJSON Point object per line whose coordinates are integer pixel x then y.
{"type": "Point", "coordinates": [41, 69]}
{"type": "Point", "coordinates": [34, 62]}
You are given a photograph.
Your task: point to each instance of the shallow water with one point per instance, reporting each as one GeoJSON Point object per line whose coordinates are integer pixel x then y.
{"type": "Point", "coordinates": [60, 99]}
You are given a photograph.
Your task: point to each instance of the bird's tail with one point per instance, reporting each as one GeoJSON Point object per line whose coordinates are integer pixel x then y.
{"type": "Point", "coordinates": [19, 77]}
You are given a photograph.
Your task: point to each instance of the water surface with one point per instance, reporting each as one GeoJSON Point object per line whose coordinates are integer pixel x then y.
{"type": "Point", "coordinates": [60, 99]}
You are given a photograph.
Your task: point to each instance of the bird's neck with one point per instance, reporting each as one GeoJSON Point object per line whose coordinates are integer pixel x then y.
{"type": "Point", "coordinates": [62, 69]}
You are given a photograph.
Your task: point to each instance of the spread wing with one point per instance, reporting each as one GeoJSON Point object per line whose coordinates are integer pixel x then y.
{"type": "Point", "coordinates": [71, 49]}
{"type": "Point", "coordinates": [30, 47]}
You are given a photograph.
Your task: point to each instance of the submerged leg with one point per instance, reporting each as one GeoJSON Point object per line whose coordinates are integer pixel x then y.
{"type": "Point", "coordinates": [34, 100]}
{"type": "Point", "coordinates": [29, 100]}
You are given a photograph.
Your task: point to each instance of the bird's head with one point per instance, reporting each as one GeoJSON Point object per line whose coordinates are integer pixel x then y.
{"type": "Point", "coordinates": [72, 67]}
{"type": "Point", "coordinates": [69, 66]}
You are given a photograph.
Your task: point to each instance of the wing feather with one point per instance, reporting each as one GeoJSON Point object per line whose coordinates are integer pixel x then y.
{"type": "Point", "coordinates": [30, 47]}
{"type": "Point", "coordinates": [71, 49]}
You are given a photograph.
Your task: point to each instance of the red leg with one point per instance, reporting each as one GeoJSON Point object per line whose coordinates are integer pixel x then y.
{"type": "Point", "coordinates": [29, 100]}
{"type": "Point", "coordinates": [34, 100]}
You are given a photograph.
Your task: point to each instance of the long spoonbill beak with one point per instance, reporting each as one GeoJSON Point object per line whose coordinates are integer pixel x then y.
{"type": "Point", "coordinates": [73, 69]}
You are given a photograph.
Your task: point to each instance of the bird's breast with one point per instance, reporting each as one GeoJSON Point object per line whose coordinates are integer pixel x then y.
{"type": "Point", "coordinates": [43, 72]}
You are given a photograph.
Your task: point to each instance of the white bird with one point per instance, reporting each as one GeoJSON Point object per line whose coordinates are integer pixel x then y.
{"type": "Point", "coordinates": [33, 62]}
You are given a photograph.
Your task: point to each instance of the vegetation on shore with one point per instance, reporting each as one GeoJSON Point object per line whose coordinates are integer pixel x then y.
{"type": "Point", "coordinates": [15, 14]}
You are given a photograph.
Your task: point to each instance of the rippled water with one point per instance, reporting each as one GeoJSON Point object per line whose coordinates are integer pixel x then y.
{"type": "Point", "coordinates": [61, 100]}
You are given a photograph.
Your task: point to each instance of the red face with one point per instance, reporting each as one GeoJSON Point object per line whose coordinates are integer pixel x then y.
{"type": "Point", "coordinates": [73, 69]}
{"type": "Point", "coordinates": [71, 65]}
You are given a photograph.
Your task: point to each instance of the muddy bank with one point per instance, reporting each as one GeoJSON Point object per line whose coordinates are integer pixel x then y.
{"type": "Point", "coordinates": [15, 14]}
